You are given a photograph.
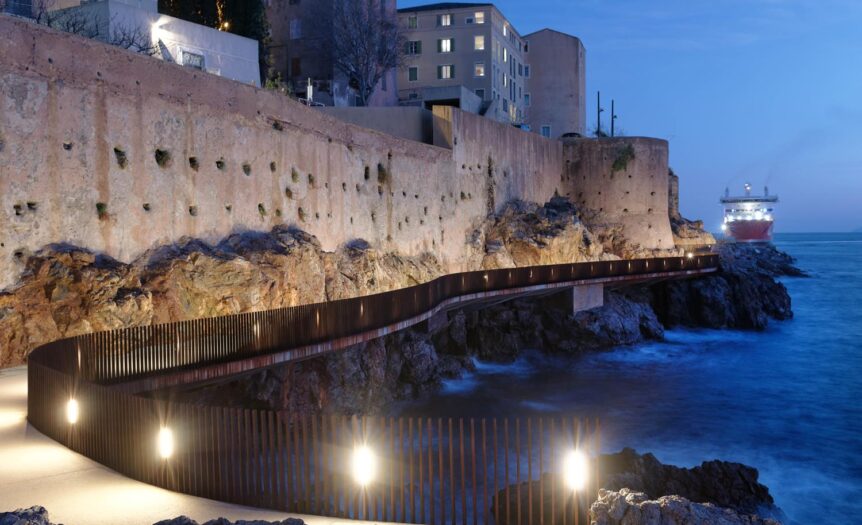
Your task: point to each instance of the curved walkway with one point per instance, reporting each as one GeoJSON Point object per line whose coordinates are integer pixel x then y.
{"type": "Point", "coordinates": [79, 395]}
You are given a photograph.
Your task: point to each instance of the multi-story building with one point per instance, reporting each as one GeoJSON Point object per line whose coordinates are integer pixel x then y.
{"type": "Point", "coordinates": [137, 25]}
{"type": "Point", "coordinates": [458, 50]}
{"type": "Point", "coordinates": [556, 99]}
{"type": "Point", "coordinates": [302, 33]}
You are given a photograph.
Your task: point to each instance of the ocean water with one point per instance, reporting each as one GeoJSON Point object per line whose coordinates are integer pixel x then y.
{"type": "Point", "coordinates": [787, 401]}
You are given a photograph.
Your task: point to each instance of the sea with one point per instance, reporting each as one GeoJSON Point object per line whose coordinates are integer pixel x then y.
{"type": "Point", "coordinates": [787, 400]}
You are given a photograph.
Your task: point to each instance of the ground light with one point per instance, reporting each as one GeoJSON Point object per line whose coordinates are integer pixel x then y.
{"type": "Point", "coordinates": [575, 470]}
{"type": "Point", "coordinates": [72, 411]}
{"type": "Point", "coordinates": [690, 255]}
{"type": "Point", "coordinates": [166, 442]}
{"type": "Point", "coordinates": [364, 465]}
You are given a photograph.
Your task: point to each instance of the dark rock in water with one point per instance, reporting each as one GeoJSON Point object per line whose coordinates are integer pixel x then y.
{"type": "Point", "coordinates": [35, 515]}
{"type": "Point", "coordinates": [743, 294]}
{"type": "Point", "coordinates": [627, 507]}
{"type": "Point", "coordinates": [690, 492]}
{"type": "Point", "coordinates": [731, 485]}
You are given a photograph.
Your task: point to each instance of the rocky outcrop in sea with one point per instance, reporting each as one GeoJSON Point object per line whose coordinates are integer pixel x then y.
{"type": "Point", "coordinates": [627, 507]}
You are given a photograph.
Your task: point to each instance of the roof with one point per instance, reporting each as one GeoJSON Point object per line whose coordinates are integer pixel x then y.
{"type": "Point", "coordinates": [549, 30]}
{"type": "Point", "coordinates": [442, 6]}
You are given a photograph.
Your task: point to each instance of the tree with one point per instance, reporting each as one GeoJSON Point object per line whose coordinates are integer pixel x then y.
{"type": "Point", "coordinates": [365, 43]}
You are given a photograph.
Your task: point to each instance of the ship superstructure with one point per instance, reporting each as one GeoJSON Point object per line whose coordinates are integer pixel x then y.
{"type": "Point", "coordinates": [749, 218]}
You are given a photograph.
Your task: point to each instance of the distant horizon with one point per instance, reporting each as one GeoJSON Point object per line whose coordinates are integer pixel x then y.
{"type": "Point", "coordinates": [759, 91]}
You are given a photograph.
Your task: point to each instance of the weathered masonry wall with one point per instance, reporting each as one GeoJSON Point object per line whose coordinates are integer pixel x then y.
{"type": "Point", "coordinates": [119, 152]}
{"type": "Point", "coordinates": [626, 181]}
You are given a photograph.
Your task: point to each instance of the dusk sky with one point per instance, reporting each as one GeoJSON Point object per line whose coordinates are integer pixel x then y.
{"type": "Point", "coordinates": [766, 91]}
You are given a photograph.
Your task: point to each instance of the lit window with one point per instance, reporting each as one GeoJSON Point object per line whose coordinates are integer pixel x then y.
{"type": "Point", "coordinates": [445, 45]}
{"type": "Point", "coordinates": [413, 74]}
{"type": "Point", "coordinates": [413, 22]}
{"type": "Point", "coordinates": [480, 17]}
{"type": "Point", "coordinates": [505, 29]}
{"type": "Point", "coordinates": [479, 42]}
{"type": "Point", "coordinates": [505, 55]}
{"type": "Point", "coordinates": [479, 69]}
{"type": "Point", "coordinates": [445, 72]}
{"type": "Point", "coordinates": [546, 131]}
{"type": "Point", "coordinates": [505, 81]}
{"type": "Point", "coordinates": [444, 20]}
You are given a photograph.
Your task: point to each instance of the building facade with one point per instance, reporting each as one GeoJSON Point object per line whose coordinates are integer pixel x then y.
{"type": "Point", "coordinates": [469, 45]}
{"type": "Point", "coordinates": [301, 32]}
{"type": "Point", "coordinates": [137, 25]}
{"type": "Point", "coordinates": [556, 99]}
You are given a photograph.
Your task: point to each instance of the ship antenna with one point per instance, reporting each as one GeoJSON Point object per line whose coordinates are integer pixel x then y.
{"type": "Point", "coordinates": [766, 191]}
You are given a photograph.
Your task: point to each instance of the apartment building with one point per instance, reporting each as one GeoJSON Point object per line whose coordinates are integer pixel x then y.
{"type": "Point", "coordinates": [463, 54]}
{"type": "Point", "coordinates": [556, 101]}
{"type": "Point", "coordinates": [301, 34]}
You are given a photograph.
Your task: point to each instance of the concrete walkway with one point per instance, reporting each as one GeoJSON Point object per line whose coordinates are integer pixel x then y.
{"type": "Point", "coordinates": [35, 470]}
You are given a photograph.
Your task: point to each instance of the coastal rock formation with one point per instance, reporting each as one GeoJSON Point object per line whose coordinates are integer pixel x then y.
{"type": "Point", "coordinates": [743, 294]}
{"type": "Point", "coordinates": [35, 515]}
{"type": "Point", "coordinates": [639, 489]}
{"type": "Point", "coordinates": [527, 234]}
{"type": "Point", "coordinates": [686, 233]}
{"type": "Point", "coordinates": [627, 507]}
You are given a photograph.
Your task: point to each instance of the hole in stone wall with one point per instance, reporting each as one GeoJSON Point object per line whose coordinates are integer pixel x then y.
{"type": "Point", "coordinates": [382, 174]}
{"type": "Point", "coordinates": [351, 220]}
{"type": "Point", "coordinates": [294, 175]}
{"type": "Point", "coordinates": [18, 209]}
{"type": "Point", "coordinates": [311, 180]}
{"type": "Point", "coordinates": [425, 210]}
{"type": "Point", "coordinates": [301, 214]}
{"type": "Point", "coordinates": [147, 206]}
{"type": "Point", "coordinates": [67, 146]}
{"type": "Point", "coordinates": [102, 210]}
{"type": "Point", "coordinates": [278, 212]}
{"type": "Point", "coordinates": [652, 193]}
{"type": "Point", "coordinates": [317, 216]}
{"type": "Point", "coordinates": [276, 125]}
{"type": "Point", "coordinates": [228, 207]}
{"type": "Point", "coordinates": [373, 217]}
{"type": "Point", "coordinates": [357, 188]}
{"type": "Point", "coordinates": [122, 159]}
{"type": "Point", "coordinates": [193, 163]}
{"type": "Point", "coordinates": [193, 211]}
{"type": "Point", "coordinates": [380, 190]}
{"type": "Point", "coordinates": [403, 193]}
{"type": "Point", "coordinates": [463, 196]}
{"type": "Point", "coordinates": [220, 164]}
{"type": "Point", "coordinates": [32, 206]}
{"type": "Point", "coordinates": [367, 174]}
{"type": "Point", "coordinates": [163, 158]}
{"type": "Point", "coordinates": [272, 166]}
{"type": "Point", "coordinates": [288, 193]}
{"type": "Point", "coordinates": [343, 186]}
{"type": "Point", "coordinates": [246, 168]}
{"type": "Point", "coordinates": [261, 209]}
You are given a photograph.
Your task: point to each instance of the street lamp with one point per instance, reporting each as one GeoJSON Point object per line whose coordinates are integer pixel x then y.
{"type": "Point", "coordinates": [364, 465]}
{"type": "Point", "coordinates": [575, 470]}
{"type": "Point", "coordinates": [72, 411]}
{"type": "Point", "coordinates": [166, 443]}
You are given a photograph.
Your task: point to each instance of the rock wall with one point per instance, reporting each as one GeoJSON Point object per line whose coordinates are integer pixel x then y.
{"type": "Point", "coordinates": [621, 187]}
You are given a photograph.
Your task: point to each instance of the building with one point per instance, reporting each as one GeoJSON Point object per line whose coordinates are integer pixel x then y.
{"type": "Point", "coordinates": [138, 25]}
{"type": "Point", "coordinates": [301, 33]}
{"type": "Point", "coordinates": [556, 102]}
{"type": "Point", "coordinates": [463, 45]}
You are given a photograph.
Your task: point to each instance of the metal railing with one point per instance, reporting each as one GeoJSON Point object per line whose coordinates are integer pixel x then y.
{"type": "Point", "coordinates": [272, 459]}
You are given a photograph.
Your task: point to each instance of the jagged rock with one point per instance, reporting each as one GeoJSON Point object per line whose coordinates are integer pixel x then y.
{"type": "Point", "coordinates": [627, 507]}
{"type": "Point", "coordinates": [743, 294]}
{"type": "Point", "coordinates": [35, 515]}
{"type": "Point", "coordinates": [526, 234]}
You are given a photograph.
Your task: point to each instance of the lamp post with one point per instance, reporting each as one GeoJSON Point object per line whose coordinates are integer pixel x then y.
{"type": "Point", "coordinates": [599, 111]}
{"type": "Point", "coordinates": [613, 117]}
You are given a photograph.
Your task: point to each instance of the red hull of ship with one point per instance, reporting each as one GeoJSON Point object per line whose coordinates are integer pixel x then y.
{"type": "Point", "coordinates": [750, 231]}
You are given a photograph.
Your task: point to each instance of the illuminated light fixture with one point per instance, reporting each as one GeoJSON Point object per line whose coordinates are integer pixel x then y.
{"type": "Point", "coordinates": [166, 443]}
{"type": "Point", "coordinates": [72, 411]}
{"type": "Point", "coordinates": [364, 465]}
{"type": "Point", "coordinates": [224, 26]}
{"type": "Point", "coordinates": [575, 470]}
{"type": "Point", "coordinates": [690, 255]}
{"type": "Point", "coordinates": [724, 227]}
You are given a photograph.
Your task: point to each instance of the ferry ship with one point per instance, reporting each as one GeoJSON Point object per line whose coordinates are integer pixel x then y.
{"type": "Point", "coordinates": [748, 218]}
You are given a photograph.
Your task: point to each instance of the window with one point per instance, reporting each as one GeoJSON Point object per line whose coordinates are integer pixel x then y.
{"type": "Point", "coordinates": [520, 69]}
{"type": "Point", "coordinates": [413, 74]}
{"type": "Point", "coordinates": [479, 69]}
{"type": "Point", "coordinates": [468, 20]}
{"type": "Point", "coordinates": [413, 22]}
{"type": "Point", "coordinates": [414, 47]}
{"type": "Point", "coordinates": [480, 17]}
{"type": "Point", "coordinates": [546, 131]}
{"type": "Point", "coordinates": [444, 20]}
{"type": "Point", "coordinates": [526, 47]}
{"type": "Point", "coordinates": [505, 29]}
{"type": "Point", "coordinates": [527, 71]}
{"type": "Point", "coordinates": [445, 72]}
{"type": "Point", "coordinates": [295, 29]}
{"type": "Point", "coordinates": [479, 42]}
{"type": "Point", "coordinates": [527, 99]}
{"type": "Point", "coordinates": [505, 105]}
{"type": "Point", "coordinates": [505, 55]}
{"type": "Point", "coordinates": [445, 45]}
{"type": "Point", "coordinates": [480, 93]}
{"type": "Point", "coordinates": [193, 60]}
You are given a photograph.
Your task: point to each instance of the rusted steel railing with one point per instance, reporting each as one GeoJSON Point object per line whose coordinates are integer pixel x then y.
{"type": "Point", "coordinates": [429, 470]}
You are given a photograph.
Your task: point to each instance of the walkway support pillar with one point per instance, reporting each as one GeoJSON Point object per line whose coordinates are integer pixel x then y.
{"type": "Point", "coordinates": [578, 298]}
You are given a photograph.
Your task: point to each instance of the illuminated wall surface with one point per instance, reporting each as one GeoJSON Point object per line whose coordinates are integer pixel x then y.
{"type": "Point", "coordinates": [118, 152]}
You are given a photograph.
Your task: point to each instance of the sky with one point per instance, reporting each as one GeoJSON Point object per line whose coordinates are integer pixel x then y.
{"type": "Point", "coordinates": [760, 91]}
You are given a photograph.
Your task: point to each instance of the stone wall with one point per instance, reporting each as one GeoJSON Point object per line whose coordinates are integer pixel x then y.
{"type": "Point", "coordinates": [624, 181]}
{"type": "Point", "coordinates": [117, 152]}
